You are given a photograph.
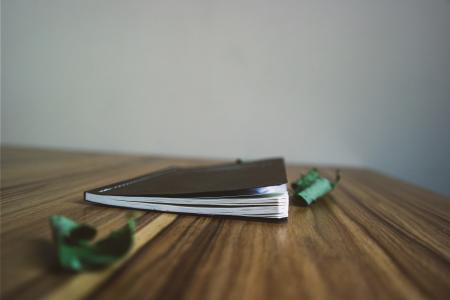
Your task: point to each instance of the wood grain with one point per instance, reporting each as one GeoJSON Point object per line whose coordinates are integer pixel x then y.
{"type": "Point", "coordinates": [374, 237]}
{"type": "Point", "coordinates": [81, 285]}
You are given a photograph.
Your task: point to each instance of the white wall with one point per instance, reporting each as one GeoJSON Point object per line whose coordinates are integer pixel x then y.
{"type": "Point", "coordinates": [363, 83]}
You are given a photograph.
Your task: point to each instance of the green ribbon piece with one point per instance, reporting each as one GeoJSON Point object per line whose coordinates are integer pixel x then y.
{"type": "Point", "coordinates": [305, 181]}
{"type": "Point", "coordinates": [76, 252]}
{"type": "Point", "coordinates": [312, 186]}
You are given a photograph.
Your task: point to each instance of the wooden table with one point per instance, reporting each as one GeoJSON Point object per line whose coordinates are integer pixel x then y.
{"type": "Point", "coordinates": [374, 237]}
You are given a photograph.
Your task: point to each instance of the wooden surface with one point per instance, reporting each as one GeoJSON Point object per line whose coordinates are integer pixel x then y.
{"type": "Point", "coordinates": [373, 238]}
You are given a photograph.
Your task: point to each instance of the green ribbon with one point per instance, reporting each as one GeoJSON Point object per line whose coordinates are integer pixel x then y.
{"type": "Point", "coordinates": [305, 181]}
{"type": "Point", "coordinates": [76, 251]}
{"type": "Point", "coordinates": [312, 186]}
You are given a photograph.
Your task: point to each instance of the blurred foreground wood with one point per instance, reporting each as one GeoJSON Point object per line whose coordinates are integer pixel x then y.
{"type": "Point", "coordinates": [374, 237]}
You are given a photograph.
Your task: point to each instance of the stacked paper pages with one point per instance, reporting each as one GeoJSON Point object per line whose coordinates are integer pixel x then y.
{"type": "Point", "coordinates": [248, 189]}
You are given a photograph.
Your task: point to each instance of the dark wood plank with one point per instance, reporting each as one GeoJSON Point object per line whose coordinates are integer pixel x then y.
{"type": "Point", "coordinates": [373, 237]}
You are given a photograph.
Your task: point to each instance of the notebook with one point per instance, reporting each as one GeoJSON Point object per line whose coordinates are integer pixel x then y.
{"type": "Point", "coordinates": [255, 189]}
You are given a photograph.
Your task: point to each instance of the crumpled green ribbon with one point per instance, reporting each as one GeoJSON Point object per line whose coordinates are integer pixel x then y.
{"type": "Point", "coordinates": [312, 186]}
{"type": "Point", "coordinates": [76, 251]}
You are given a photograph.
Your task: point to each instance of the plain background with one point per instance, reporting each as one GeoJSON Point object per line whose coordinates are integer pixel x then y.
{"type": "Point", "coordinates": [352, 82]}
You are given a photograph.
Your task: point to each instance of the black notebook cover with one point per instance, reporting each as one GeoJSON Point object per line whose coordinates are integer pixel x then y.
{"type": "Point", "coordinates": [217, 180]}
